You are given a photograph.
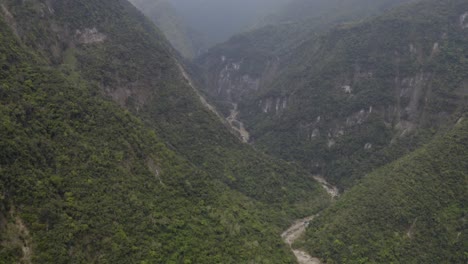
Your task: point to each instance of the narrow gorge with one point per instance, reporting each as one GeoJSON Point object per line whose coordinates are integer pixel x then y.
{"type": "Point", "coordinates": [220, 131]}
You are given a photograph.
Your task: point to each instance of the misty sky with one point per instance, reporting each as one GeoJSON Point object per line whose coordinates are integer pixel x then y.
{"type": "Point", "coordinates": [220, 19]}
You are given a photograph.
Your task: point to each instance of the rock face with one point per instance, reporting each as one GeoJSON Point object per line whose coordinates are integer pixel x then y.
{"type": "Point", "coordinates": [349, 94]}
{"type": "Point", "coordinates": [230, 81]}
{"type": "Point", "coordinates": [234, 79]}
{"type": "Point", "coordinates": [273, 104]}
{"type": "Point", "coordinates": [89, 36]}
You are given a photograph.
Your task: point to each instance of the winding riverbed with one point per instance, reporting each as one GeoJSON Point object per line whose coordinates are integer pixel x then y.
{"type": "Point", "coordinates": [299, 227]}
{"type": "Point", "coordinates": [237, 125]}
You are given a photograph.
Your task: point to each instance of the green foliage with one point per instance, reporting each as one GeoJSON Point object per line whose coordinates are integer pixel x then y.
{"type": "Point", "coordinates": [411, 211]}
{"type": "Point", "coordinates": [93, 184]}
{"type": "Point", "coordinates": [305, 57]}
{"type": "Point", "coordinates": [158, 180]}
{"type": "Point", "coordinates": [406, 71]}
{"type": "Point", "coordinates": [139, 57]}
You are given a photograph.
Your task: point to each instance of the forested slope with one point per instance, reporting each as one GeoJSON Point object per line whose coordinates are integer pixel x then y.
{"type": "Point", "coordinates": [135, 66]}
{"type": "Point", "coordinates": [83, 181]}
{"type": "Point", "coordinates": [365, 93]}
{"type": "Point", "coordinates": [377, 96]}
{"type": "Point", "coordinates": [234, 70]}
{"type": "Point", "coordinates": [109, 156]}
{"type": "Point", "coordinates": [410, 211]}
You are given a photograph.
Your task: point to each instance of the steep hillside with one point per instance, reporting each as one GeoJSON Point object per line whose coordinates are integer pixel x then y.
{"type": "Point", "coordinates": [303, 10]}
{"type": "Point", "coordinates": [411, 211]}
{"type": "Point", "coordinates": [134, 66]}
{"type": "Point", "coordinates": [184, 39]}
{"type": "Point", "coordinates": [108, 155]}
{"type": "Point", "coordinates": [356, 97]}
{"type": "Point", "coordinates": [234, 71]}
{"type": "Point", "coordinates": [363, 94]}
{"type": "Point", "coordinates": [82, 181]}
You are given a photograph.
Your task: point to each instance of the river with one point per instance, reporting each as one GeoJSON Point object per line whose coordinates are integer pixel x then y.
{"type": "Point", "coordinates": [299, 227]}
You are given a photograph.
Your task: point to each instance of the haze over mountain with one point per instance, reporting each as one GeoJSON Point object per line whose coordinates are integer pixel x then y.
{"type": "Point", "coordinates": [182, 37]}
{"type": "Point", "coordinates": [194, 26]}
{"type": "Point", "coordinates": [220, 19]}
{"type": "Point", "coordinates": [331, 131]}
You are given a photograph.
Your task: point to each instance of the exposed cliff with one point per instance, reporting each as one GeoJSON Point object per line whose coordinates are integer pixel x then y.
{"type": "Point", "coordinates": [353, 98]}
{"type": "Point", "coordinates": [237, 69]}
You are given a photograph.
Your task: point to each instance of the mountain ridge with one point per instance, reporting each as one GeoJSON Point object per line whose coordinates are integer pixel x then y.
{"type": "Point", "coordinates": [303, 96]}
{"type": "Point", "coordinates": [97, 175]}
{"type": "Point", "coordinates": [110, 153]}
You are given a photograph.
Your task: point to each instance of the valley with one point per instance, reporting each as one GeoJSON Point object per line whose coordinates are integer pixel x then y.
{"type": "Point", "coordinates": [345, 103]}
{"type": "Point", "coordinates": [298, 229]}
{"type": "Point", "coordinates": [293, 233]}
{"type": "Point", "coordinates": [295, 131]}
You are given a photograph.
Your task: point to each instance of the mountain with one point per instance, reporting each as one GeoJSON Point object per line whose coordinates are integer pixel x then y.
{"type": "Point", "coordinates": [375, 105]}
{"type": "Point", "coordinates": [303, 10]}
{"type": "Point", "coordinates": [349, 98]}
{"type": "Point", "coordinates": [410, 211]}
{"type": "Point", "coordinates": [113, 148]}
{"type": "Point", "coordinates": [265, 51]}
{"type": "Point", "coordinates": [392, 93]}
{"type": "Point", "coordinates": [135, 67]}
{"type": "Point", "coordinates": [184, 39]}
{"type": "Point", "coordinates": [109, 154]}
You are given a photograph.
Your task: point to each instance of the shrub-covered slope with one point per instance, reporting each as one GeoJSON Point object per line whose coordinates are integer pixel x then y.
{"type": "Point", "coordinates": [304, 10]}
{"type": "Point", "coordinates": [365, 93]}
{"type": "Point", "coordinates": [411, 211]}
{"type": "Point", "coordinates": [111, 44]}
{"type": "Point", "coordinates": [83, 181]}
{"type": "Point", "coordinates": [234, 70]}
{"type": "Point", "coordinates": [109, 156]}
